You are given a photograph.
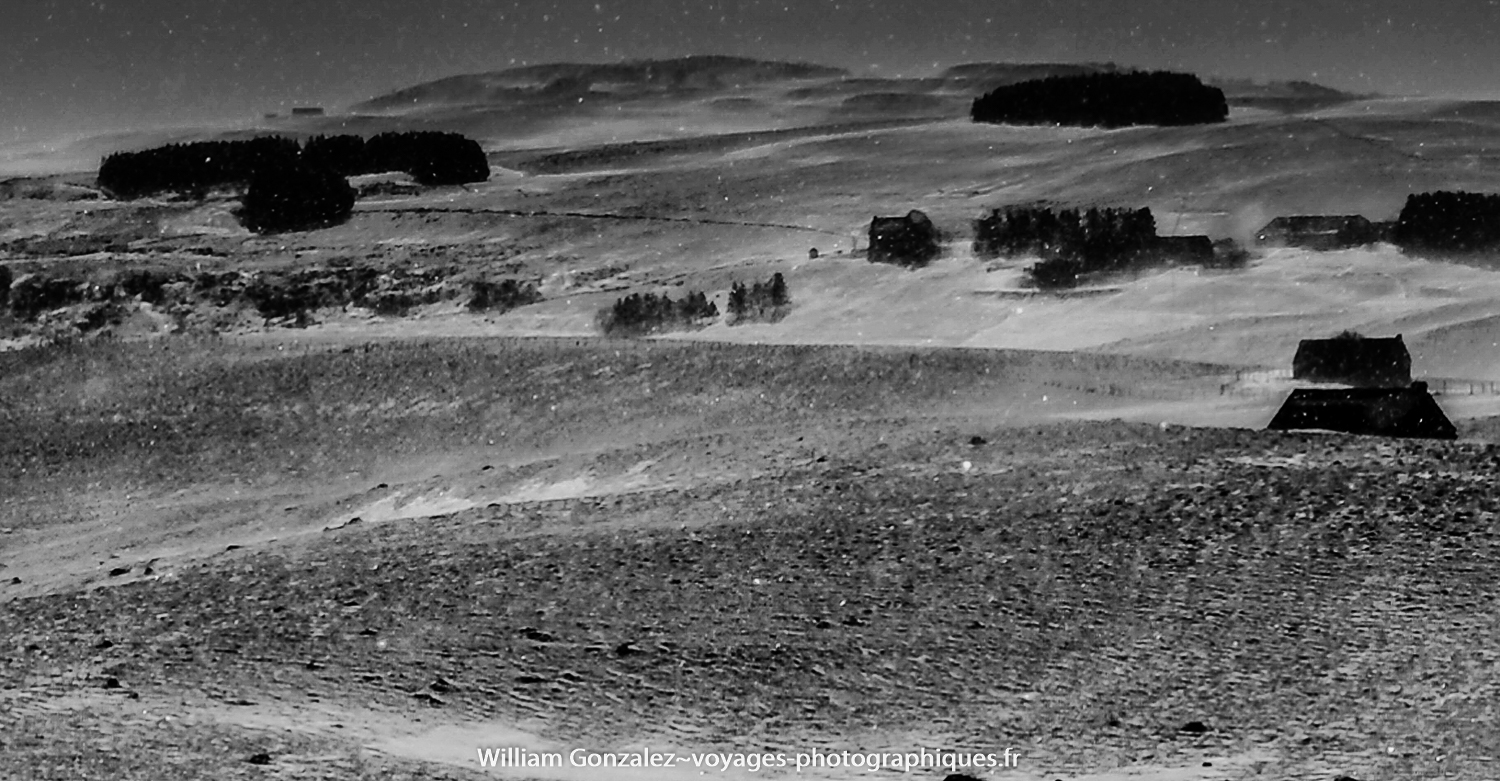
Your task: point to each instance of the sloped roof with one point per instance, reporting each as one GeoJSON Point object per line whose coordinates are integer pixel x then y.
{"type": "Point", "coordinates": [1386, 412]}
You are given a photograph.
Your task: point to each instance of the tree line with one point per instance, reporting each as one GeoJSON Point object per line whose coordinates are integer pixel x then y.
{"type": "Point", "coordinates": [1104, 100]}
{"type": "Point", "coordinates": [762, 301]}
{"type": "Point", "coordinates": [1069, 242]}
{"type": "Point", "coordinates": [640, 314]}
{"type": "Point", "coordinates": [290, 186]}
{"type": "Point", "coordinates": [1449, 222]}
{"type": "Point", "coordinates": [432, 158]}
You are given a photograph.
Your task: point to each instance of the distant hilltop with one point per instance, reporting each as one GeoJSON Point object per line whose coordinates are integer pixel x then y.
{"type": "Point", "coordinates": [1285, 96]}
{"type": "Point", "coordinates": [988, 75]}
{"type": "Point", "coordinates": [562, 84]}
{"type": "Point", "coordinates": [545, 82]}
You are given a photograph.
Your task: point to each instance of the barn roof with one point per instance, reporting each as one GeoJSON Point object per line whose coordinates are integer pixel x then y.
{"type": "Point", "coordinates": [1387, 412]}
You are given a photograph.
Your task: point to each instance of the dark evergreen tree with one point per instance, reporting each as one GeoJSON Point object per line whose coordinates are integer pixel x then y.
{"type": "Point", "coordinates": [1071, 243]}
{"type": "Point", "coordinates": [295, 197]}
{"type": "Point", "coordinates": [192, 167]}
{"type": "Point", "coordinates": [6, 278]}
{"type": "Point", "coordinates": [1449, 222]}
{"type": "Point", "coordinates": [344, 155]}
{"type": "Point", "coordinates": [778, 291]}
{"type": "Point", "coordinates": [738, 300]}
{"type": "Point", "coordinates": [763, 301]}
{"type": "Point", "coordinates": [646, 313]}
{"type": "Point", "coordinates": [1056, 273]}
{"type": "Point", "coordinates": [432, 158]}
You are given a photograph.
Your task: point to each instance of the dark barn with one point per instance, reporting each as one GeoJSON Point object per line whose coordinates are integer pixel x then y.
{"type": "Point", "coordinates": [1385, 412]}
{"type": "Point", "coordinates": [906, 241]}
{"type": "Point", "coordinates": [1352, 359]}
{"type": "Point", "coordinates": [1321, 232]}
{"type": "Point", "coordinates": [1183, 249]}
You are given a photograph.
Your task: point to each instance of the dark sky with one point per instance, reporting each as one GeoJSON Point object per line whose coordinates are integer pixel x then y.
{"type": "Point", "coordinates": [69, 66]}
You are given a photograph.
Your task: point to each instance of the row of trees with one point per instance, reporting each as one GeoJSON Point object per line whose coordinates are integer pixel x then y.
{"type": "Point", "coordinates": [1104, 100]}
{"type": "Point", "coordinates": [1449, 222]}
{"type": "Point", "coordinates": [639, 314]}
{"type": "Point", "coordinates": [1098, 237]}
{"type": "Point", "coordinates": [763, 301]}
{"type": "Point", "coordinates": [1070, 243]}
{"type": "Point", "coordinates": [433, 158]}
{"type": "Point", "coordinates": [644, 313]}
{"type": "Point", "coordinates": [194, 167]}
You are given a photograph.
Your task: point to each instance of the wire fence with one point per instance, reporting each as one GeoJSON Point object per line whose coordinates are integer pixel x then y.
{"type": "Point", "coordinates": [1269, 384]}
{"type": "Point", "coordinates": [1272, 382]}
{"type": "Point", "coordinates": [1453, 386]}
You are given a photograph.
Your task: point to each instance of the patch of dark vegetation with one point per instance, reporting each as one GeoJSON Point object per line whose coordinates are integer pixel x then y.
{"type": "Point", "coordinates": [67, 246]}
{"type": "Point", "coordinates": [639, 314]}
{"type": "Point", "coordinates": [34, 294]}
{"type": "Point", "coordinates": [292, 296]}
{"type": "Point", "coordinates": [432, 158]}
{"type": "Point", "coordinates": [147, 284]}
{"type": "Point", "coordinates": [912, 241]}
{"type": "Point", "coordinates": [295, 197]}
{"type": "Point", "coordinates": [6, 278]}
{"type": "Point", "coordinates": [295, 297]}
{"type": "Point", "coordinates": [501, 295]}
{"type": "Point", "coordinates": [193, 167]}
{"type": "Point", "coordinates": [1075, 244]}
{"type": "Point", "coordinates": [1096, 235]}
{"type": "Point", "coordinates": [97, 316]}
{"type": "Point", "coordinates": [1456, 223]}
{"type": "Point", "coordinates": [763, 302]}
{"type": "Point", "coordinates": [1107, 100]}
{"type": "Point", "coordinates": [207, 300]}
{"type": "Point", "coordinates": [1070, 243]}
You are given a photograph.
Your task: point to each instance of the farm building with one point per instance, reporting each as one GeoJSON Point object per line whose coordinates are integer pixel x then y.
{"type": "Point", "coordinates": [1183, 249]}
{"type": "Point", "coordinates": [1352, 359]}
{"type": "Point", "coordinates": [1321, 232]}
{"type": "Point", "coordinates": [1385, 412]}
{"type": "Point", "coordinates": [907, 241]}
